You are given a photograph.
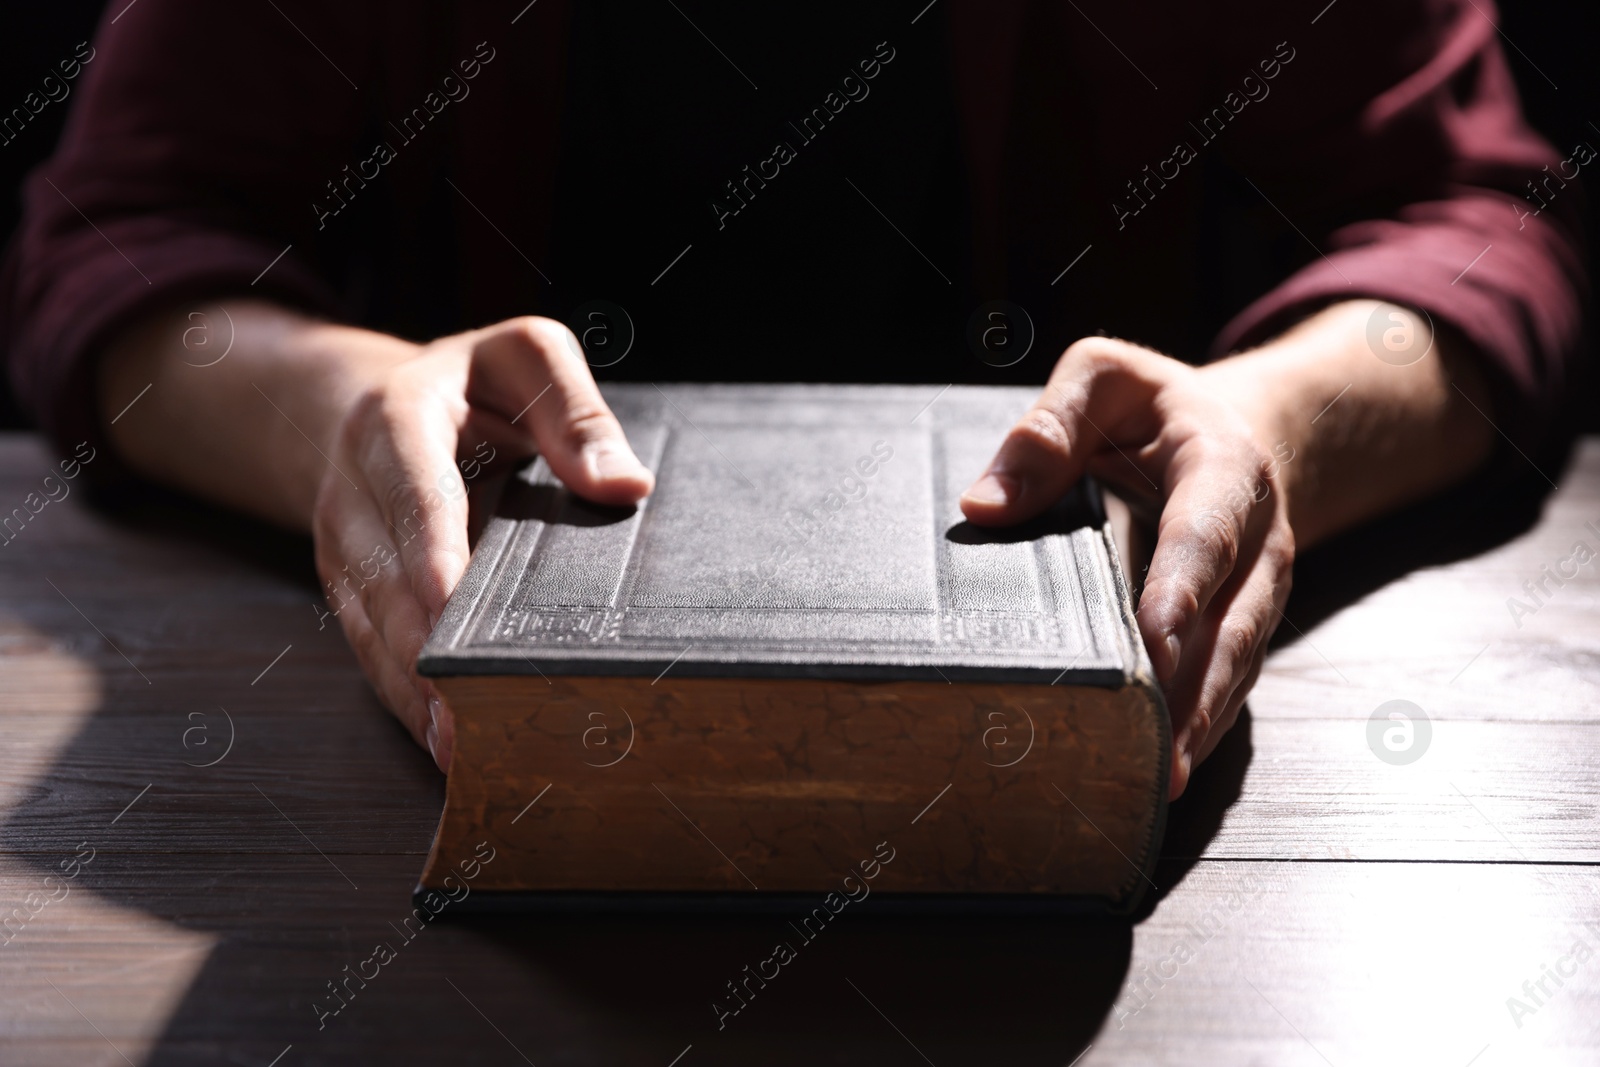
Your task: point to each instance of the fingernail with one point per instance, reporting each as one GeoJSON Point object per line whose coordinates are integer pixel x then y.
{"type": "Point", "coordinates": [432, 737]}
{"type": "Point", "coordinates": [435, 705]}
{"type": "Point", "coordinates": [994, 488]}
{"type": "Point", "coordinates": [607, 462]}
{"type": "Point", "coordinates": [1174, 649]}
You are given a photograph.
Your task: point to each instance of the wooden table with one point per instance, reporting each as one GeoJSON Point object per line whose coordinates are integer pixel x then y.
{"type": "Point", "coordinates": [1317, 905]}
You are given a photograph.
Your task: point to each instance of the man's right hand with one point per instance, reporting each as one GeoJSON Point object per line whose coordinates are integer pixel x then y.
{"type": "Point", "coordinates": [390, 519]}
{"type": "Point", "coordinates": [362, 439]}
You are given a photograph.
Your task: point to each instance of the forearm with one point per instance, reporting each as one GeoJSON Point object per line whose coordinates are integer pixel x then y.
{"type": "Point", "coordinates": [1366, 435]}
{"type": "Point", "coordinates": [250, 429]}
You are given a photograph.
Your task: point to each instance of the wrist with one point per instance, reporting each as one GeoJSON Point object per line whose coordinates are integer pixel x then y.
{"type": "Point", "coordinates": [1368, 432]}
{"type": "Point", "coordinates": [315, 376]}
{"type": "Point", "coordinates": [1266, 388]}
{"type": "Point", "coordinates": [1305, 393]}
{"type": "Point", "coordinates": [241, 400]}
{"type": "Point", "coordinates": [326, 368]}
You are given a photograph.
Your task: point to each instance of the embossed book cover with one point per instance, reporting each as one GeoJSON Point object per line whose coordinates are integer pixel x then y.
{"type": "Point", "coordinates": [793, 656]}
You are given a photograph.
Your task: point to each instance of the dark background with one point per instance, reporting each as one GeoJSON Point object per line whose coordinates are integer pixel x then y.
{"type": "Point", "coordinates": [1555, 69]}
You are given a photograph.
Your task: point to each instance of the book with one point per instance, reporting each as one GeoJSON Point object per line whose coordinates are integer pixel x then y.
{"type": "Point", "coordinates": [794, 663]}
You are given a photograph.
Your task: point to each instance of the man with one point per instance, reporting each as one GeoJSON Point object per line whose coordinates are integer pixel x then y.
{"type": "Point", "coordinates": [817, 194]}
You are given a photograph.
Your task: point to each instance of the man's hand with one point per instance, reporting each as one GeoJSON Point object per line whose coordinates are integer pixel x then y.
{"type": "Point", "coordinates": [362, 439]}
{"type": "Point", "coordinates": [1312, 432]}
{"type": "Point", "coordinates": [1220, 573]}
{"type": "Point", "coordinates": [1244, 459]}
{"type": "Point", "coordinates": [390, 519]}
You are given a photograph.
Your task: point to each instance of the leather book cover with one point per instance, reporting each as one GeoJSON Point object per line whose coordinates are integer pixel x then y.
{"type": "Point", "coordinates": [792, 664]}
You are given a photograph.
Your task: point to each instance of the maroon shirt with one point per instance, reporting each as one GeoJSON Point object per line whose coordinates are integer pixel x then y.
{"type": "Point", "coordinates": [225, 149]}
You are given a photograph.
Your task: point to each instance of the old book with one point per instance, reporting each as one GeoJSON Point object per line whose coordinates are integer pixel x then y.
{"type": "Point", "coordinates": [794, 664]}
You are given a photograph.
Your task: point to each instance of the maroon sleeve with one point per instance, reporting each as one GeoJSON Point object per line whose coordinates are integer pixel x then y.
{"type": "Point", "coordinates": [198, 141]}
{"type": "Point", "coordinates": [1399, 151]}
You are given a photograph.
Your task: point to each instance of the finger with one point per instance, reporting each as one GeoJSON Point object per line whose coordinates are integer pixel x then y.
{"type": "Point", "coordinates": [353, 540]}
{"type": "Point", "coordinates": [490, 443]}
{"type": "Point", "coordinates": [404, 439]}
{"type": "Point", "coordinates": [444, 723]}
{"type": "Point", "coordinates": [536, 365]}
{"type": "Point", "coordinates": [1241, 691]}
{"type": "Point", "coordinates": [1227, 644]}
{"type": "Point", "coordinates": [1183, 764]}
{"type": "Point", "coordinates": [1097, 386]}
{"type": "Point", "coordinates": [374, 600]}
{"type": "Point", "coordinates": [391, 667]}
{"type": "Point", "coordinates": [385, 673]}
{"type": "Point", "coordinates": [1230, 714]}
{"type": "Point", "coordinates": [1213, 515]}
{"type": "Point", "coordinates": [1133, 474]}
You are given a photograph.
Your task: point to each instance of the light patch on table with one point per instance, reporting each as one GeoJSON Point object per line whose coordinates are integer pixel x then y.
{"type": "Point", "coordinates": [1467, 653]}
{"type": "Point", "coordinates": [1481, 792]}
{"type": "Point", "coordinates": [46, 696]}
{"type": "Point", "coordinates": [1422, 961]}
{"type": "Point", "coordinates": [131, 1003]}
{"type": "Point", "coordinates": [38, 675]}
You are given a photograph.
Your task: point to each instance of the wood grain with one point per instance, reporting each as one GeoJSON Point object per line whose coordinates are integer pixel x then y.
{"type": "Point", "coordinates": [1306, 878]}
{"type": "Point", "coordinates": [1337, 949]}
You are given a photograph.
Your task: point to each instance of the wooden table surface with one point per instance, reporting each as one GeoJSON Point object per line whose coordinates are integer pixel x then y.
{"type": "Point", "coordinates": [1316, 904]}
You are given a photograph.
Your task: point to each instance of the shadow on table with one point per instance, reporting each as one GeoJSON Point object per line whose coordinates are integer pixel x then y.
{"type": "Point", "coordinates": [322, 793]}
{"type": "Point", "coordinates": [576, 990]}
{"type": "Point", "coordinates": [1464, 522]}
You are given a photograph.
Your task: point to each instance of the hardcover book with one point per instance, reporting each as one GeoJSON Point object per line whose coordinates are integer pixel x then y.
{"type": "Point", "coordinates": [795, 654]}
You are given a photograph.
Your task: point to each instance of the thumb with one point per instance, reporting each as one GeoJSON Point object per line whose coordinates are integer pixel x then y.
{"type": "Point", "coordinates": [1096, 385]}
{"type": "Point", "coordinates": [533, 370]}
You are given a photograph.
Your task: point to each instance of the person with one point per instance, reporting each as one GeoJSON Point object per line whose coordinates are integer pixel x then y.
{"type": "Point", "coordinates": [294, 260]}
